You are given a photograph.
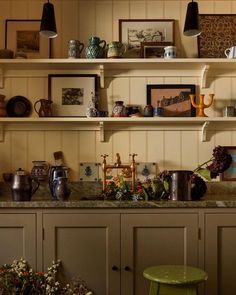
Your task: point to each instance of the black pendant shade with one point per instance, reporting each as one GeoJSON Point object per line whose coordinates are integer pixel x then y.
{"type": "Point", "coordinates": [48, 23]}
{"type": "Point", "coordinates": [191, 26]}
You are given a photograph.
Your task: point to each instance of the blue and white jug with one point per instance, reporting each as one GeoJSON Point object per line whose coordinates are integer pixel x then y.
{"type": "Point", "coordinates": [95, 49]}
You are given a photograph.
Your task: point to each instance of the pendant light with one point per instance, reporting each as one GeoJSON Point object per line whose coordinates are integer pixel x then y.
{"type": "Point", "coordinates": [191, 26]}
{"type": "Point", "coordinates": [48, 23]}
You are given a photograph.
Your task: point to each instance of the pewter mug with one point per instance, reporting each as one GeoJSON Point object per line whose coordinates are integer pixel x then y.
{"type": "Point", "coordinates": [115, 49]}
{"type": "Point", "coordinates": [22, 185]}
{"type": "Point", "coordinates": [75, 48]}
{"type": "Point", "coordinates": [180, 185]}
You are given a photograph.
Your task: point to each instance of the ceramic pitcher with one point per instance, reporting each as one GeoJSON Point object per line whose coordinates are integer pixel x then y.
{"type": "Point", "coordinates": [45, 109]}
{"type": "Point", "coordinates": [115, 49]}
{"type": "Point", "coordinates": [96, 48]}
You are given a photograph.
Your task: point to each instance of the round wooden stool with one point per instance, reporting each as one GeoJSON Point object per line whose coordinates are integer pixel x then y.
{"type": "Point", "coordinates": [174, 279]}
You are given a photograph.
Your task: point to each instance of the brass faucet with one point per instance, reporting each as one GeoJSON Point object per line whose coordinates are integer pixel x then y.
{"type": "Point", "coordinates": [118, 165]}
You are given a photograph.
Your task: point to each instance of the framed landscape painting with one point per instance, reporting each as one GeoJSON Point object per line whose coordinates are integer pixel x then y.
{"type": "Point", "coordinates": [22, 36]}
{"type": "Point", "coordinates": [174, 99]}
{"type": "Point", "coordinates": [134, 31]}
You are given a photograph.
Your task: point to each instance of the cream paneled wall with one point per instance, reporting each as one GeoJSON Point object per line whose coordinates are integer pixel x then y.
{"type": "Point", "coordinates": [79, 20]}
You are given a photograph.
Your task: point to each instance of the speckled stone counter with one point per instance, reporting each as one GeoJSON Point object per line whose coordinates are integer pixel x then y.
{"type": "Point", "coordinates": [84, 195]}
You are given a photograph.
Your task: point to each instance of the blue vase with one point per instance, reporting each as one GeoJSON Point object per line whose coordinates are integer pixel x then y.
{"type": "Point", "coordinates": [95, 50]}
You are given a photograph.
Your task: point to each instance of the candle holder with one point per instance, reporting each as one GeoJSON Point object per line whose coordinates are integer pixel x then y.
{"type": "Point", "coordinates": [201, 106]}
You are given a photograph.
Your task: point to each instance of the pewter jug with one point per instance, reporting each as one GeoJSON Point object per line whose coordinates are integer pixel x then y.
{"type": "Point", "coordinates": [22, 185]}
{"type": "Point", "coordinates": [180, 185]}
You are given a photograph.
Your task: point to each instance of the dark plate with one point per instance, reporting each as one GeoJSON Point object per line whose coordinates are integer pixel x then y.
{"type": "Point", "coordinates": [18, 106]}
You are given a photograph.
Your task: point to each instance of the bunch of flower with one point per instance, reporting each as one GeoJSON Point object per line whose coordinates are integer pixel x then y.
{"type": "Point", "coordinates": [19, 278]}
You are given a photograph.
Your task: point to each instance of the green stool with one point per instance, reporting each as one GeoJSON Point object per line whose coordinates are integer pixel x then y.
{"type": "Point", "coordinates": [174, 279]}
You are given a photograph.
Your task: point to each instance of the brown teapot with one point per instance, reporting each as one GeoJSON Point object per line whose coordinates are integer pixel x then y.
{"type": "Point", "coordinates": [22, 185]}
{"type": "Point", "coordinates": [45, 109]}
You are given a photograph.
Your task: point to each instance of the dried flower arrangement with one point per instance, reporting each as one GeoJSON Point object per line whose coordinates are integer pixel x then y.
{"type": "Point", "coordinates": [19, 278]}
{"type": "Point", "coordinates": [158, 188]}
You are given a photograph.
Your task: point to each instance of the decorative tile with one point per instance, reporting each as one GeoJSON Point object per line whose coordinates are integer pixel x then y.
{"type": "Point", "coordinates": [89, 171]}
{"type": "Point", "coordinates": [144, 170]}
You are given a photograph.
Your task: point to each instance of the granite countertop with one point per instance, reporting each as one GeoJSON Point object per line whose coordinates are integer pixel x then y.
{"type": "Point", "coordinates": [85, 195]}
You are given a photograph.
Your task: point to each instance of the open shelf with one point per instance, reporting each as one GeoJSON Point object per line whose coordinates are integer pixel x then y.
{"type": "Point", "coordinates": [109, 123]}
{"type": "Point", "coordinates": [201, 65]}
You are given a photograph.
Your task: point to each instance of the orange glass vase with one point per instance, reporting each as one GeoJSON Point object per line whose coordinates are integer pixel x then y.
{"type": "Point", "coordinates": [201, 105]}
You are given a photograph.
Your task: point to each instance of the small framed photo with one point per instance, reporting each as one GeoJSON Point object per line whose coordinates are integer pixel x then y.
{"type": "Point", "coordinates": [218, 34]}
{"type": "Point", "coordinates": [153, 49]}
{"type": "Point", "coordinates": [134, 31]}
{"type": "Point", "coordinates": [174, 99]}
{"type": "Point", "coordinates": [22, 36]}
{"type": "Point", "coordinates": [230, 173]}
{"type": "Point", "coordinates": [71, 93]}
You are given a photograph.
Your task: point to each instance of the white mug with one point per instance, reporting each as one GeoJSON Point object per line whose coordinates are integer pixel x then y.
{"type": "Point", "coordinates": [170, 52]}
{"type": "Point", "coordinates": [230, 52]}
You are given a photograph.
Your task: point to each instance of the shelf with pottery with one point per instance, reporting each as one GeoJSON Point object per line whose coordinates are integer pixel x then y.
{"type": "Point", "coordinates": [123, 123]}
{"type": "Point", "coordinates": [201, 66]}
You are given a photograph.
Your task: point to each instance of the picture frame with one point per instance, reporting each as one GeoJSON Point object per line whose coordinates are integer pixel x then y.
{"type": "Point", "coordinates": [218, 34]}
{"type": "Point", "coordinates": [153, 49]}
{"type": "Point", "coordinates": [172, 98]}
{"type": "Point", "coordinates": [230, 173]}
{"type": "Point", "coordinates": [22, 37]}
{"type": "Point", "coordinates": [134, 31]}
{"type": "Point", "coordinates": [71, 93]}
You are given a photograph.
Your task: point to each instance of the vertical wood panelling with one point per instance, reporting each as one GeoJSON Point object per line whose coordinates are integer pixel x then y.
{"type": "Point", "coordinates": [5, 152]}
{"type": "Point", "coordinates": [87, 146]}
{"type": "Point", "coordinates": [69, 24]}
{"type": "Point", "coordinates": [70, 151]}
{"type": "Point", "coordinates": [138, 145]}
{"type": "Point", "coordinates": [205, 148]}
{"type": "Point", "coordinates": [87, 20]}
{"type": "Point", "coordinates": [53, 143]}
{"type": "Point", "coordinates": [120, 11]}
{"type": "Point", "coordinates": [57, 42]}
{"type": "Point", "coordinates": [121, 90]}
{"type": "Point", "coordinates": [223, 138]}
{"type": "Point", "coordinates": [19, 150]}
{"type": "Point", "coordinates": [121, 145]}
{"type": "Point", "coordinates": [35, 9]}
{"type": "Point", "coordinates": [36, 90]}
{"type": "Point", "coordinates": [172, 152]}
{"type": "Point", "coordinates": [19, 9]}
{"type": "Point", "coordinates": [35, 147]}
{"type": "Point", "coordinates": [137, 9]}
{"type": "Point", "coordinates": [155, 148]}
{"type": "Point", "coordinates": [19, 86]}
{"type": "Point", "coordinates": [223, 7]}
{"type": "Point", "coordinates": [104, 20]}
{"type": "Point", "coordinates": [155, 9]}
{"type": "Point", "coordinates": [206, 7]}
{"type": "Point", "coordinates": [224, 95]}
{"type": "Point", "coordinates": [189, 150]}
{"type": "Point", "coordinates": [138, 91]}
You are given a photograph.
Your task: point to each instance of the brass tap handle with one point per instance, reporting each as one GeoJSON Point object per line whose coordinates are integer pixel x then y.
{"type": "Point", "coordinates": [133, 156]}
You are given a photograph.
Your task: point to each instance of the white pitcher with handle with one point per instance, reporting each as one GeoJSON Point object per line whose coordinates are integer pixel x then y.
{"type": "Point", "coordinates": [230, 52]}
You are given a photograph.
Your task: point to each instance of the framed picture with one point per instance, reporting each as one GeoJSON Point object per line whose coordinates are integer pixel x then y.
{"type": "Point", "coordinates": [174, 99]}
{"type": "Point", "coordinates": [134, 31]}
{"type": "Point", "coordinates": [218, 33]}
{"type": "Point", "coordinates": [22, 36]}
{"type": "Point", "coordinates": [153, 49]}
{"type": "Point", "coordinates": [71, 93]}
{"type": "Point", "coordinates": [230, 173]}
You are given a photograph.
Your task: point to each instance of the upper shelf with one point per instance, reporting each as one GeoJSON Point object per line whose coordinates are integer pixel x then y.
{"type": "Point", "coordinates": [122, 64]}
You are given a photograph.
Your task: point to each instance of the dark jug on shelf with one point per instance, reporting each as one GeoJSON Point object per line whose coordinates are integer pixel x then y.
{"type": "Point", "coordinates": [180, 185]}
{"type": "Point", "coordinates": [45, 109]}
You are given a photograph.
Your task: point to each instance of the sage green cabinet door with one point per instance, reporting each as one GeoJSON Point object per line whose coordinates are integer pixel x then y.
{"type": "Point", "coordinates": [220, 253]}
{"type": "Point", "coordinates": [18, 237]}
{"type": "Point", "coordinates": [88, 245]}
{"type": "Point", "coordinates": [153, 239]}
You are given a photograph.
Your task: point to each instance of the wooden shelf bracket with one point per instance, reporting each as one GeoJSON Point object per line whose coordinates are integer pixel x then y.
{"type": "Point", "coordinates": [101, 68]}
{"type": "Point", "coordinates": [204, 76]}
{"type": "Point", "coordinates": [102, 131]}
{"type": "Point", "coordinates": [204, 131]}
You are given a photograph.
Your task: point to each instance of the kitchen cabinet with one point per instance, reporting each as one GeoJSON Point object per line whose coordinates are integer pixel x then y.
{"type": "Point", "coordinates": [88, 245]}
{"type": "Point", "coordinates": [110, 251]}
{"type": "Point", "coordinates": [18, 237]}
{"type": "Point", "coordinates": [220, 257]}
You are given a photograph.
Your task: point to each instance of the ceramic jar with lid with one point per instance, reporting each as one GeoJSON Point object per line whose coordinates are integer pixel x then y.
{"type": "Point", "coordinates": [119, 110]}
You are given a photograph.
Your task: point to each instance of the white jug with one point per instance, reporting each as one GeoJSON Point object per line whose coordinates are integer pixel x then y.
{"type": "Point", "coordinates": [231, 52]}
